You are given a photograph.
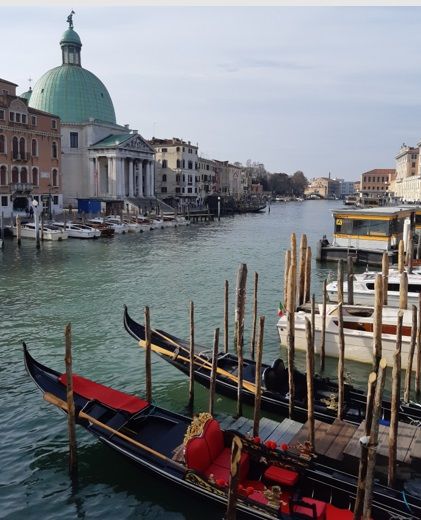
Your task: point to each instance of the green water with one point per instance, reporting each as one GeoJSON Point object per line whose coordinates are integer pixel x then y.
{"type": "Point", "coordinates": [87, 283]}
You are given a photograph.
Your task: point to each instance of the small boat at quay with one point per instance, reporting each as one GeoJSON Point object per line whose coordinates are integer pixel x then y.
{"type": "Point", "coordinates": [78, 230]}
{"type": "Point", "coordinates": [358, 332]}
{"type": "Point", "coordinates": [116, 223]}
{"type": "Point", "coordinates": [194, 455]}
{"type": "Point", "coordinates": [105, 229]}
{"type": "Point", "coordinates": [50, 231]}
{"type": "Point", "coordinates": [275, 389]}
{"type": "Point", "coordinates": [364, 292]}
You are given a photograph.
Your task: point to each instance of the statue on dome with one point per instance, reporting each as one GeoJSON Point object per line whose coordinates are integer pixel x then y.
{"type": "Point", "coordinates": [70, 19]}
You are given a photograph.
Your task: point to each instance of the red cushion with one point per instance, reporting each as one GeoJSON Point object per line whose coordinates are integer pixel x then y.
{"type": "Point", "coordinates": [258, 496]}
{"type": "Point", "coordinates": [218, 472]}
{"type": "Point", "coordinates": [282, 476]}
{"type": "Point", "coordinates": [106, 395]}
{"type": "Point", "coordinates": [307, 511]}
{"type": "Point", "coordinates": [255, 484]}
{"type": "Point", "coordinates": [214, 437]}
{"type": "Point", "coordinates": [197, 455]}
{"type": "Point", "coordinates": [224, 460]}
{"type": "Point", "coordinates": [335, 513]}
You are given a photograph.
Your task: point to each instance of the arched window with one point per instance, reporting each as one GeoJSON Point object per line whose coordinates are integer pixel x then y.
{"type": "Point", "coordinates": [15, 174]}
{"type": "Point", "coordinates": [178, 163]}
{"type": "Point", "coordinates": [22, 147]}
{"type": "Point", "coordinates": [23, 175]}
{"type": "Point", "coordinates": [2, 144]}
{"type": "Point", "coordinates": [35, 180]}
{"type": "Point", "coordinates": [3, 176]}
{"type": "Point", "coordinates": [54, 150]}
{"type": "Point", "coordinates": [15, 147]}
{"type": "Point", "coordinates": [34, 148]}
{"type": "Point", "coordinates": [55, 177]}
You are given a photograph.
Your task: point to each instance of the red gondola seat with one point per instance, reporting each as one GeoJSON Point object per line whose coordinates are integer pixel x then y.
{"type": "Point", "coordinates": [335, 513]}
{"type": "Point", "coordinates": [282, 476]}
{"type": "Point", "coordinates": [309, 507]}
{"type": "Point", "coordinates": [208, 455]}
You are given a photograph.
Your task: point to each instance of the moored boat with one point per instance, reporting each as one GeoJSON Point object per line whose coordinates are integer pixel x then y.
{"type": "Point", "coordinates": [78, 230]}
{"type": "Point", "coordinates": [105, 229]}
{"type": "Point", "coordinates": [358, 332]}
{"type": "Point", "coordinates": [195, 456]}
{"type": "Point", "coordinates": [46, 232]}
{"type": "Point", "coordinates": [275, 390]}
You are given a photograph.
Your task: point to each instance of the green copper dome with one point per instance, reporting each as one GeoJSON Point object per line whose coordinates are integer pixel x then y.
{"type": "Point", "coordinates": [26, 95]}
{"type": "Point", "coordinates": [74, 94]}
{"type": "Point", "coordinates": [70, 91]}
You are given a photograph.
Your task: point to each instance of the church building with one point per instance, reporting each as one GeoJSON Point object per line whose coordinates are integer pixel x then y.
{"type": "Point", "coordinates": [101, 160]}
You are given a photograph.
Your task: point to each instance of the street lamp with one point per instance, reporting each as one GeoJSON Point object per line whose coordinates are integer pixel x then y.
{"type": "Point", "coordinates": [219, 209]}
{"type": "Point", "coordinates": [36, 220]}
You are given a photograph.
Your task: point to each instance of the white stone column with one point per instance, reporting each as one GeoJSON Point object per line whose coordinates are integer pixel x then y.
{"type": "Point", "coordinates": [152, 167]}
{"type": "Point", "coordinates": [140, 178]}
{"type": "Point", "coordinates": [110, 171]}
{"type": "Point", "coordinates": [120, 177]}
{"type": "Point", "coordinates": [131, 178]}
{"type": "Point", "coordinates": [92, 184]}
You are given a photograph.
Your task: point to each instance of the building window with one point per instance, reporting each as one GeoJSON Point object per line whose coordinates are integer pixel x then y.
{"type": "Point", "coordinates": [164, 163]}
{"type": "Point", "coordinates": [54, 124]}
{"type": "Point", "coordinates": [184, 163]}
{"type": "Point", "coordinates": [24, 119]}
{"type": "Point", "coordinates": [164, 178]}
{"type": "Point", "coordinates": [74, 140]}
{"type": "Point", "coordinates": [2, 144]}
{"type": "Point", "coordinates": [17, 117]}
{"type": "Point", "coordinates": [55, 200]}
{"type": "Point", "coordinates": [164, 189]}
{"type": "Point", "coordinates": [54, 150]}
{"type": "Point", "coordinates": [4, 201]}
{"type": "Point", "coordinates": [177, 178]}
{"type": "Point", "coordinates": [2, 115]}
{"type": "Point", "coordinates": [11, 116]}
{"type": "Point", "coordinates": [55, 177]}
{"type": "Point", "coordinates": [33, 120]}
{"type": "Point", "coordinates": [34, 148]}
{"type": "Point", "coordinates": [178, 163]}
{"type": "Point", "coordinates": [177, 149]}
{"type": "Point", "coordinates": [15, 175]}
{"type": "Point", "coordinates": [164, 150]}
{"type": "Point", "coordinates": [189, 190]}
{"type": "Point", "coordinates": [35, 177]}
{"type": "Point", "coordinates": [24, 175]}
{"type": "Point", "coordinates": [22, 147]}
{"type": "Point", "coordinates": [413, 165]}
{"type": "Point", "coordinates": [3, 176]}
{"type": "Point", "coordinates": [190, 165]}
{"type": "Point", "coordinates": [15, 147]}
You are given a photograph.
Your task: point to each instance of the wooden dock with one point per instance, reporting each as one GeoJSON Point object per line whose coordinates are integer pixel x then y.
{"type": "Point", "coordinates": [336, 442]}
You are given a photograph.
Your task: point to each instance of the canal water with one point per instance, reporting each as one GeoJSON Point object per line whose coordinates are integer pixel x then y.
{"type": "Point", "coordinates": [87, 284]}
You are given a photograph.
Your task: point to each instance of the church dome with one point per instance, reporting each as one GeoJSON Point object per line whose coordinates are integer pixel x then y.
{"type": "Point", "coordinates": [70, 91]}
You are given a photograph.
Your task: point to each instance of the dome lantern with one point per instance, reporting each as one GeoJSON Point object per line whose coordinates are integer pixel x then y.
{"type": "Point", "coordinates": [70, 44]}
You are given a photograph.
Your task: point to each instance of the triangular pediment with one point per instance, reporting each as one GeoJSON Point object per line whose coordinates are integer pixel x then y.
{"type": "Point", "coordinates": [137, 143]}
{"type": "Point", "coordinates": [19, 106]}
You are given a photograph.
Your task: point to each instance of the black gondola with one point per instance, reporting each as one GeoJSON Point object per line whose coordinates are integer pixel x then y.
{"type": "Point", "coordinates": [275, 397]}
{"type": "Point", "coordinates": [195, 456]}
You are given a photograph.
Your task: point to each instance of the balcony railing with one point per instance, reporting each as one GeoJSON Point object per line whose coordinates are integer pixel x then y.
{"type": "Point", "coordinates": [21, 157]}
{"type": "Point", "coordinates": [21, 187]}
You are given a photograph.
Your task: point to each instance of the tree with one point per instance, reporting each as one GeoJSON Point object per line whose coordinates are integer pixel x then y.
{"type": "Point", "coordinates": [279, 183]}
{"type": "Point", "coordinates": [298, 183]}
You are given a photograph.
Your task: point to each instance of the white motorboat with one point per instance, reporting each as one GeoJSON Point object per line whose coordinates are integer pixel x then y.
{"type": "Point", "coordinates": [116, 223]}
{"type": "Point", "coordinates": [78, 230]}
{"type": "Point", "coordinates": [358, 332]}
{"type": "Point", "coordinates": [364, 292]}
{"type": "Point", "coordinates": [50, 232]}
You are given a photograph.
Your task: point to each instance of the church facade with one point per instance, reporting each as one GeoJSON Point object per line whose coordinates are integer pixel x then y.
{"type": "Point", "coordinates": [100, 158]}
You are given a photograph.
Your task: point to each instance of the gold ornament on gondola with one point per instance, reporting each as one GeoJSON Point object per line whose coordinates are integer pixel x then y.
{"type": "Point", "coordinates": [273, 496]}
{"type": "Point", "coordinates": [196, 427]}
{"type": "Point", "coordinates": [331, 402]}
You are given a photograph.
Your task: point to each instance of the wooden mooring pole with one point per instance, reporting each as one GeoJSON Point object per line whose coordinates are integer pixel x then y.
{"type": "Point", "coordinates": [18, 230]}
{"type": "Point", "coordinates": [302, 272]}
{"type": "Point", "coordinates": [226, 316]}
{"type": "Point", "coordinates": [323, 338]}
{"type": "Point", "coordinates": [403, 291]}
{"type": "Point", "coordinates": [310, 383]}
{"type": "Point", "coordinates": [307, 280]}
{"type": "Point", "coordinates": [71, 416]}
{"type": "Point", "coordinates": [362, 469]}
{"type": "Point", "coordinates": [286, 274]}
{"type": "Point", "coordinates": [374, 433]}
{"type": "Point", "coordinates": [294, 251]}
{"type": "Point", "coordinates": [419, 247]}
{"type": "Point", "coordinates": [254, 324]}
{"type": "Point", "coordinates": [191, 366]}
{"type": "Point", "coordinates": [418, 365]}
{"type": "Point", "coordinates": [258, 378]}
{"type": "Point", "coordinates": [2, 228]}
{"type": "Point", "coordinates": [340, 282]}
{"type": "Point", "coordinates": [350, 280]}
{"type": "Point", "coordinates": [148, 351]}
{"type": "Point", "coordinates": [410, 252]}
{"type": "Point", "coordinates": [313, 322]}
{"type": "Point", "coordinates": [401, 257]}
{"type": "Point", "coordinates": [341, 364]}
{"type": "Point", "coordinates": [394, 412]}
{"type": "Point", "coordinates": [377, 324]}
{"type": "Point", "coordinates": [241, 302]}
{"type": "Point", "coordinates": [212, 384]}
{"type": "Point", "coordinates": [291, 336]}
{"type": "Point", "coordinates": [385, 274]}
{"type": "Point", "coordinates": [236, 448]}
{"type": "Point", "coordinates": [408, 373]}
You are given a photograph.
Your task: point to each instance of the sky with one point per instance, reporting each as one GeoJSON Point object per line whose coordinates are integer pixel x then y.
{"type": "Point", "coordinates": [317, 89]}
